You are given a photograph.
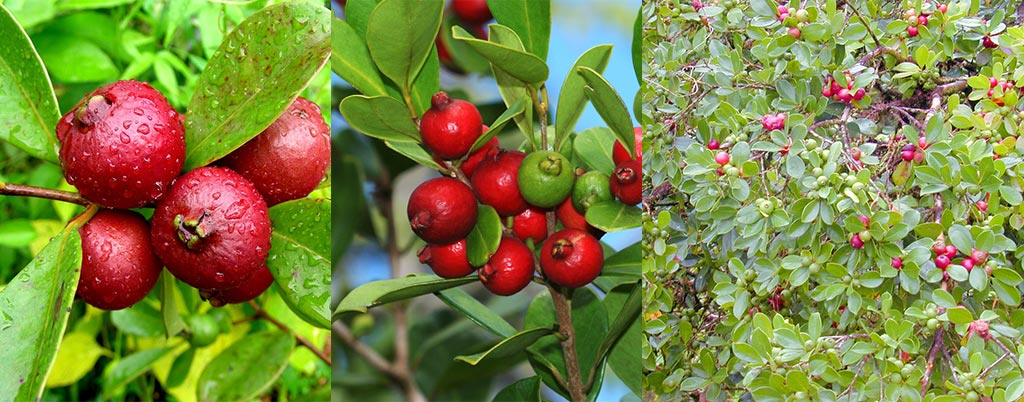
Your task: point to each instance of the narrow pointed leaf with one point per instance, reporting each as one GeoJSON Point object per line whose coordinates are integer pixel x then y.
{"type": "Point", "coordinates": [572, 100]}
{"type": "Point", "coordinates": [519, 64]}
{"type": "Point", "coordinates": [476, 311]}
{"type": "Point", "coordinates": [530, 19]}
{"type": "Point", "coordinates": [609, 105]}
{"type": "Point", "coordinates": [509, 346]}
{"type": "Point", "coordinates": [130, 368]}
{"type": "Point", "coordinates": [380, 117]}
{"type": "Point", "coordinates": [390, 290]}
{"type": "Point", "coordinates": [351, 60]}
{"type": "Point", "coordinates": [485, 237]}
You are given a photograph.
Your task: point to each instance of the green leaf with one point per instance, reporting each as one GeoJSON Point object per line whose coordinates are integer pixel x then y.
{"type": "Point", "coordinates": [494, 128]}
{"type": "Point", "coordinates": [514, 90]}
{"type": "Point", "coordinates": [609, 105]}
{"type": "Point", "coordinates": [476, 311]}
{"type": "Point", "coordinates": [959, 315]}
{"type": "Point", "coordinates": [173, 324]}
{"type": "Point", "coordinates": [590, 322]}
{"type": "Point", "coordinates": [346, 178]}
{"type": "Point", "coordinates": [30, 112]}
{"type": "Point", "coordinates": [17, 233]}
{"type": "Point", "coordinates": [625, 262]}
{"type": "Point", "coordinates": [519, 64]}
{"type": "Point", "coordinates": [512, 345]}
{"type": "Point", "coordinates": [300, 257]}
{"type": "Point", "coordinates": [247, 368]}
{"type": "Point", "coordinates": [426, 84]}
{"type": "Point", "coordinates": [612, 216]}
{"type": "Point", "coordinates": [415, 152]}
{"type": "Point", "coordinates": [530, 19]}
{"type": "Point", "coordinates": [400, 34]}
{"type": "Point", "coordinates": [76, 357]}
{"type": "Point", "coordinates": [257, 72]}
{"type": "Point", "coordinates": [571, 100]}
{"type": "Point", "coordinates": [961, 237]}
{"type": "Point", "coordinates": [130, 368]}
{"type": "Point", "coordinates": [527, 389]}
{"type": "Point", "coordinates": [31, 12]}
{"type": "Point", "coordinates": [141, 319]}
{"type": "Point", "coordinates": [594, 147]}
{"type": "Point", "coordinates": [485, 237]}
{"type": "Point", "coordinates": [180, 368]}
{"type": "Point", "coordinates": [351, 60]}
{"type": "Point", "coordinates": [35, 311]}
{"type": "Point", "coordinates": [380, 117]}
{"type": "Point", "coordinates": [623, 307]}
{"type": "Point", "coordinates": [66, 5]}
{"type": "Point", "coordinates": [390, 290]}
{"type": "Point", "coordinates": [74, 60]}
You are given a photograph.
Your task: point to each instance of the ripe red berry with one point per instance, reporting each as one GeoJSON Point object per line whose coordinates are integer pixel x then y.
{"type": "Point", "coordinates": [794, 32]}
{"type": "Point", "coordinates": [907, 155]}
{"type": "Point", "coordinates": [978, 256]}
{"type": "Point", "coordinates": [442, 210]}
{"type": "Point", "coordinates": [988, 43]}
{"type": "Point", "coordinates": [859, 94]}
{"type": "Point", "coordinates": [918, 156]}
{"type": "Point", "coordinates": [122, 145]}
{"type": "Point", "coordinates": [942, 8]}
{"type": "Point", "coordinates": [942, 262]}
{"type": "Point", "coordinates": [570, 217]}
{"type": "Point", "coordinates": [939, 248]}
{"type": "Point", "coordinates": [992, 82]}
{"type": "Point", "coordinates": [450, 126]}
{"type": "Point", "coordinates": [856, 241]}
{"type": "Point", "coordinates": [865, 220]}
{"type": "Point", "coordinates": [950, 251]}
{"type": "Point", "coordinates": [212, 230]}
{"type": "Point", "coordinates": [826, 91]}
{"type": "Point", "coordinates": [571, 258]}
{"type": "Point", "coordinates": [258, 283]}
{"type": "Point", "coordinates": [472, 11]}
{"type": "Point", "coordinates": [289, 158]}
{"type": "Point", "coordinates": [446, 260]}
{"type": "Point", "coordinates": [713, 144]}
{"type": "Point", "coordinates": [118, 264]}
{"type": "Point", "coordinates": [922, 20]}
{"type": "Point", "coordinates": [490, 148]}
{"type": "Point", "coordinates": [509, 270]}
{"type": "Point", "coordinates": [532, 223]}
{"type": "Point", "coordinates": [982, 205]}
{"type": "Point", "coordinates": [912, 31]}
{"type": "Point", "coordinates": [897, 262]}
{"type": "Point", "coordinates": [844, 95]}
{"type": "Point", "coordinates": [856, 153]}
{"type": "Point", "coordinates": [496, 182]}
{"type": "Point", "coordinates": [638, 142]}
{"type": "Point", "coordinates": [722, 158]}
{"type": "Point", "coordinates": [968, 264]}
{"type": "Point", "coordinates": [626, 184]}
{"type": "Point", "coordinates": [619, 153]}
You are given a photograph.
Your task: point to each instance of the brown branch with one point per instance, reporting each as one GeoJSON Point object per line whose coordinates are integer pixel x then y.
{"type": "Point", "coordinates": [563, 312]}
{"type": "Point", "coordinates": [39, 192]}
{"type": "Point", "coordinates": [302, 340]}
{"type": "Point", "coordinates": [369, 355]}
{"type": "Point", "coordinates": [937, 343]}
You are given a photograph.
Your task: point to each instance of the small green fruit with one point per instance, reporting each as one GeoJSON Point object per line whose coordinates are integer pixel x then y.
{"type": "Point", "coordinates": [546, 178]}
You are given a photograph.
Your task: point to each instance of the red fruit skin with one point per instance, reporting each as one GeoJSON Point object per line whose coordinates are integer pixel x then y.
{"type": "Point", "coordinates": [988, 43]}
{"type": "Point", "coordinates": [570, 217]}
{"type": "Point", "coordinates": [844, 95]}
{"type": "Point", "coordinates": [907, 156]}
{"type": "Point", "coordinates": [722, 158]}
{"type": "Point", "coordinates": [939, 248]}
{"type": "Point", "coordinates": [794, 32]}
{"type": "Point", "coordinates": [442, 210]}
{"type": "Point", "coordinates": [118, 264]}
{"type": "Point", "coordinates": [626, 184]}
{"type": "Point", "coordinates": [496, 182]}
{"type": "Point", "coordinates": [968, 264]}
{"type": "Point", "coordinates": [447, 260]}
{"type": "Point", "coordinates": [450, 126]}
{"type": "Point", "coordinates": [122, 145]}
{"type": "Point", "coordinates": [950, 251]}
{"type": "Point", "coordinates": [856, 241]}
{"type": "Point", "coordinates": [942, 261]}
{"type": "Point", "coordinates": [978, 256]}
{"type": "Point", "coordinates": [897, 262]}
{"type": "Point", "coordinates": [865, 220]}
{"type": "Point", "coordinates": [472, 11]}
{"type": "Point", "coordinates": [252, 288]}
{"type": "Point", "coordinates": [571, 258]}
{"type": "Point", "coordinates": [473, 160]}
{"type": "Point", "coordinates": [289, 158]}
{"type": "Point", "coordinates": [638, 143]}
{"type": "Point", "coordinates": [619, 153]}
{"type": "Point", "coordinates": [509, 270]}
{"type": "Point", "coordinates": [712, 145]}
{"type": "Point", "coordinates": [532, 223]}
{"type": "Point", "coordinates": [859, 94]}
{"type": "Point", "coordinates": [232, 214]}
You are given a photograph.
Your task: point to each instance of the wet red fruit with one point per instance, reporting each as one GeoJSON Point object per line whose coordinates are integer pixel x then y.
{"type": "Point", "coordinates": [496, 182]}
{"type": "Point", "coordinates": [472, 11]}
{"type": "Point", "coordinates": [288, 159]}
{"type": "Point", "coordinates": [571, 258]}
{"type": "Point", "coordinates": [212, 230]}
{"type": "Point", "coordinates": [442, 210]}
{"type": "Point", "coordinates": [118, 264]}
{"type": "Point", "coordinates": [450, 126]}
{"type": "Point", "coordinates": [626, 184]}
{"type": "Point", "coordinates": [122, 145]}
{"type": "Point", "coordinates": [509, 270]}
{"type": "Point", "coordinates": [532, 223]}
{"type": "Point", "coordinates": [252, 288]}
{"type": "Point", "coordinates": [447, 260]}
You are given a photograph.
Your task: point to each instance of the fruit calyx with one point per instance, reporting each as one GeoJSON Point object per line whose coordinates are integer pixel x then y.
{"type": "Point", "coordinates": [625, 175]}
{"type": "Point", "coordinates": [552, 165]}
{"type": "Point", "coordinates": [190, 232]}
{"type": "Point", "coordinates": [561, 249]}
{"type": "Point", "coordinates": [92, 111]}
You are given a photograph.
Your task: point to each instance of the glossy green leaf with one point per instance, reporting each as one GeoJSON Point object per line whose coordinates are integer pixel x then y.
{"type": "Point", "coordinates": [74, 60]}
{"type": "Point", "coordinates": [76, 357]}
{"type": "Point", "coordinates": [34, 310]}
{"type": "Point", "coordinates": [476, 311]}
{"type": "Point", "coordinates": [572, 100]}
{"type": "Point", "coordinates": [65, 5]}
{"type": "Point", "coordinates": [357, 14]}
{"type": "Point", "coordinates": [623, 306]}
{"type": "Point", "coordinates": [351, 60]}
{"type": "Point", "coordinates": [380, 117]}
{"type": "Point", "coordinates": [32, 12]}
{"type": "Point", "coordinates": [594, 147]}
{"type": "Point", "coordinates": [512, 345]}
{"type": "Point", "coordinates": [247, 368]}
{"type": "Point", "coordinates": [257, 72]}
{"type": "Point", "coordinates": [173, 324]}
{"type": "Point", "coordinates": [141, 319]}
{"type": "Point", "coordinates": [300, 257]}
{"type": "Point", "coordinates": [515, 90]}
{"type": "Point", "coordinates": [390, 290]}
{"type": "Point", "coordinates": [626, 262]}
{"type": "Point", "coordinates": [130, 368]}
{"type": "Point", "coordinates": [30, 112]}
{"type": "Point", "coordinates": [959, 315]}
{"type": "Point", "coordinates": [495, 127]}
{"type": "Point", "coordinates": [612, 216]}
{"type": "Point", "coordinates": [180, 368]}
{"type": "Point", "coordinates": [400, 35]}
{"type": "Point", "coordinates": [590, 322]}
{"type": "Point", "coordinates": [426, 84]}
{"type": "Point", "coordinates": [530, 19]}
{"type": "Point", "coordinates": [415, 152]}
{"type": "Point", "coordinates": [523, 66]}
{"type": "Point", "coordinates": [609, 105]}
{"type": "Point", "coordinates": [637, 50]}
{"type": "Point", "coordinates": [527, 389]}
{"type": "Point", "coordinates": [483, 240]}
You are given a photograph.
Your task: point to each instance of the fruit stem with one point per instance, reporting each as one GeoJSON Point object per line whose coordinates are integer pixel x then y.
{"type": "Point", "coordinates": [39, 192]}
{"type": "Point", "coordinates": [83, 218]}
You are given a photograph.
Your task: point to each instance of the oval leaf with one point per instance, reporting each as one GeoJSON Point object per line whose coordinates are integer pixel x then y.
{"type": "Point", "coordinates": [594, 147]}
{"type": "Point", "coordinates": [130, 368]}
{"type": "Point", "coordinates": [400, 35]}
{"type": "Point", "coordinates": [512, 345]}
{"type": "Point", "coordinates": [30, 112]}
{"type": "Point", "coordinates": [300, 257]}
{"type": "Point", "coordinates": [415, 152]}
{"type": "Point", "coordinates": [612, 216]}
{"type": "Point", "coordinates": [572, 100]}
{"type": "Point", "coordinates": [247, 368]}
{"type": "Point", "coordinates": [609, 105]}
{"type": "Point", "coordinates": [521, 65]}
{"type": "Point", "coordinates": [527, 389]}
{"type": "Point", "coordinates": [35, 306]}
{"type": "Point", "coordinates": [380, 117]}
{"type": "Point", "coordinates": [623, 305]}
{"type": "Point", "coordinates": [256, 73]}
{"type": "Point", "coordinates": [351, 60]}
{"type": "Point", "coordinates": [382, 292]}
{"type": "Point", "coordinates": [530, 19]}
{"type": "Point", "coordinates": [485, 237]}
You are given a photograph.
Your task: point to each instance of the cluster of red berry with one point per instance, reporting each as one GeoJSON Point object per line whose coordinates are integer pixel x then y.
{"type": "Point", "coordinates": [123, 146]}
{"type": "Point", "coordinates": [945, 253]}
{"type": "Point", "coordinates": [833, 90]}
{"type": "Point", "coordinates": [916, 21]}
{"type": "Point", "coordinates": [793, 18]}
{"type": "Point", "coordinates": [915, 152]}
{"type": "Point", "coordinates": [1005, 85]}
{"type": "Point", "coordinates": [521, 186]}
{"type": "Point", "coordinates": [858, 239]}
{"type": "Point", "coordinates": [773, 121]}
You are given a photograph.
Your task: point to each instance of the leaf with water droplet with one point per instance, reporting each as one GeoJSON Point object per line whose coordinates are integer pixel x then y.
{"type": "Point", "coordinates": [35, 308]}
{"type": "Point", "coordinates": [244, 107]}
{"type": "Point", "coordinates": [30, 110]}
{"type": "Point", "coordinates": [300, 257]}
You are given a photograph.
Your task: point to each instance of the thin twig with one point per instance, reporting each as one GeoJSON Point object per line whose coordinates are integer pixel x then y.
{"type": "Point", "coordinates": [302, 340]}
{"type": "Point", "coordinates": [39, 192]}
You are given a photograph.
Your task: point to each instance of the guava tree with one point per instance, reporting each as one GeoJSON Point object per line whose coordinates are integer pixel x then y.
{"type": "Point", "coordinates": [835, 201]}
{"type": "Point", "coordinates": [475, 210]}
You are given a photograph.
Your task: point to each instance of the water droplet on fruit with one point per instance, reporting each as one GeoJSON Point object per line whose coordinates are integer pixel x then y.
{"type": "Point", "coordinates": [139, 112]}
{"type": "Point", "coordinates": [236, 210]}
{"type": "Point", "coordinates": [218, 276]}
{"type": "Point", "coordinates": [125, 138]}
{"type": "Point", "coordinates": [143, 129]}
{"type": "Point", "coordinates": [216, 195]}
{"type": "Point", "coordinates": [127, 124]}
